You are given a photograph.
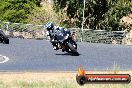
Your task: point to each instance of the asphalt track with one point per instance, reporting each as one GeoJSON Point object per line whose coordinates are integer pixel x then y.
{"type": "Point", "coordinates": [38, 55]}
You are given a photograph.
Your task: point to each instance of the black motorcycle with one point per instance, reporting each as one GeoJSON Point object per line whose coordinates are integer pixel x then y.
{"type": "Point", "coordinates": [3, 38]}
{"type": "Point", "coordinates": [63, 40]}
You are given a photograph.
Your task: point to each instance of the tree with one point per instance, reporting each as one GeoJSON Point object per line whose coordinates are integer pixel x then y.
{"type": "Point", "coordinates": [99, 14]}
{"type": "Point", "coordinates": [43, 14]}
{"type": "Point", "coordinates": [17, 10]}
{"type": "Point", "coordinates": [116, 11]}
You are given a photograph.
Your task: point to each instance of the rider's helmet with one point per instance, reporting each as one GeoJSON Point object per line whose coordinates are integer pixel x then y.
{"type": "Point", "coordinates": [49, 26]}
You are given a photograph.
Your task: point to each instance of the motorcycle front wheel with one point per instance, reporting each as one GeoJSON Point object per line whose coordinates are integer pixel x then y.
{"type": "Point", "coordinates": [73, 50]}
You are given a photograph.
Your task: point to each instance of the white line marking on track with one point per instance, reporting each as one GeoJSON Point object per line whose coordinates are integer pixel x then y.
{"type": "Point", "coordinates": [5, 59]}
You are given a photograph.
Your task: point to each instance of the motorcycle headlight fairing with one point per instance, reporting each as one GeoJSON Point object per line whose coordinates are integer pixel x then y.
{"type": "Point", "coordinates": [66, 37]}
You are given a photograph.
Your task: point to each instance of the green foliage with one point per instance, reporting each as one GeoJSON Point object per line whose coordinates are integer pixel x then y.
{"type": "Point", "coordinates": [116, 11]}
{"type": "Point", "coordinates": [41, 15]}
{"type": "Point", "coordinates": [99, 14]}
{"type": "Point", "coordinates": [70, 9]}
{"type": "Point", "coordinates": [17, 10]}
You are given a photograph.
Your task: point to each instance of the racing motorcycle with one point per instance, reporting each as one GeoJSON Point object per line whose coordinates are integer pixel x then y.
{"type": "Point", "coordinates": [63, 40]}
{"type": "Point", "coordinates": [3, 38]}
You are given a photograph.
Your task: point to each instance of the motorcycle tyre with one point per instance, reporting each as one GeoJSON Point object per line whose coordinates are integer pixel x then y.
{"type": "Point", "coordinates": [73, 50]}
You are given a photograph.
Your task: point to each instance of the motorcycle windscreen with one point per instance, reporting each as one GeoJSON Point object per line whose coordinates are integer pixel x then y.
{"type": "Point", "coordinates": [60, 35]}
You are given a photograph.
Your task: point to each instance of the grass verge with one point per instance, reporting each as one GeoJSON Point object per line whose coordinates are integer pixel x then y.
{"type": "Point", "coordinates": [51, 80]}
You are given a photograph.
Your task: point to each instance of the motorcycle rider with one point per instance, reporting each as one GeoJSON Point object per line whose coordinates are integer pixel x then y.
{"type": "Point", "coordinates": [61, 38]}
{"type": "Point", "coordinates": [51, 32]}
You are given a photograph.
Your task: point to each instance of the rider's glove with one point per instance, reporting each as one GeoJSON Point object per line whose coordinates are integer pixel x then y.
{"type": "Point", "coordinates": [47, 33]}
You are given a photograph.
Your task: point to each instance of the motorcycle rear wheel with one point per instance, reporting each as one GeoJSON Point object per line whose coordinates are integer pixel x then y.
{"type": "Point", "coordinates": [4, 39]}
